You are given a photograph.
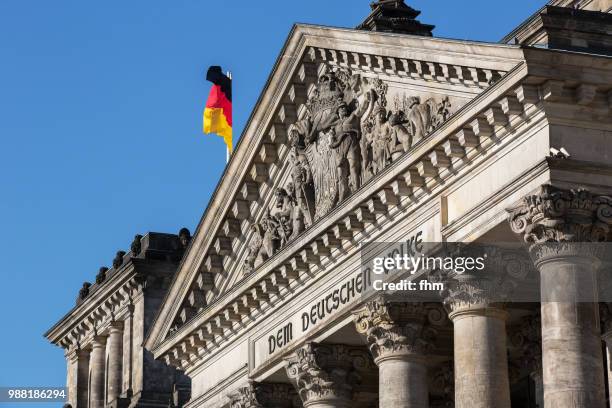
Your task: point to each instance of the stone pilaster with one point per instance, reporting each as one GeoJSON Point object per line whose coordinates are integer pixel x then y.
{"type": "Point", "coordinates": [115, 361]}
{"type": "Point", "coordinates": [480, 353]}
{"type": "Point", "coordinates": [325, 374]}
{"type": "Point", "coordinates": [260, 395]}
{"type": "Point", "coordinates": [398, 339]}
{"type": "Point", "coordinates": [97, 372]}
{"type": "Point", "coordinates": [562, 228]}
{"type": "Point", "coordinates": [78, 376]}
{"type": "Point", "coordinates": [128, 351]}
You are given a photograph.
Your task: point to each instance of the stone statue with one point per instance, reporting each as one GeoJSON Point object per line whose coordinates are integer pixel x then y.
{"type": "Point", "coordinates": [84, 291]}
{"type": "Point", "coordinates": [346, 137]}
{"type": "Point", "coordinates": [423, 118]}
{"type": "Point", "coordinates": [264, 243]}
{"type": "Point", "coordinates": [282, 214]}
{"type": "Point", "coordinates": [136, 245]}
{"type": "Point", "coordinates": [118, 260]}
{"type": "Point", "coordinates": [302, 189]}
{"type": "Point", "coordinates": [101, 276]}
{"type": "Point", "coordinates": [381, 140]}
{"type": "Point", "coordinates": [184, 237]}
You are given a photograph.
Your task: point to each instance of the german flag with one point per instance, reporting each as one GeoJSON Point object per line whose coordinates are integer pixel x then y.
{"type": "Point", "coordinates": [218, 111]}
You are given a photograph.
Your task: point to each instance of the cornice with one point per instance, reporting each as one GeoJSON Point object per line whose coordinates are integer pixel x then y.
{"type": "Point", "coordinates": [114, 294]}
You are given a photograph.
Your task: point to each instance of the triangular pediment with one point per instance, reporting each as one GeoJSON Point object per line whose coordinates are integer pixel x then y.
{"type": "Point", "coordinates": [339, 107]}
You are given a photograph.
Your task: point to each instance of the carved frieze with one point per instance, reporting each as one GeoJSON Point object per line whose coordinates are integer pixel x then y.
{"type": "Point", "coordinates": [347, 136]}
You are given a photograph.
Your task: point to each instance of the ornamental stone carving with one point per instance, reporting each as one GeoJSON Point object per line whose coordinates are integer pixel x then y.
{"type": "Point", "coordinates": [136, 245]}
{"type": "Point", "coordinates": [395, 328]}
{"type": "Point", "coordinates": [184, 237]}
{"type": "Point", "coordinates": [324, 372]}
{"type": "Point", "coordinates": [101, 276]}
{"type": "Point", "coordinates": [347, 136]}
{"type": "Point", "coordinates": [118, 260]}
{"type": "Point", "coordinates": [556, 215]}
{"type": "Point", "coordinates": [83, 292]}
{"type": "Point", "coordinates": [260, 395]}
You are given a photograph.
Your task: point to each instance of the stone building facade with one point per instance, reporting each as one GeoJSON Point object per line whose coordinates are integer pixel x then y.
{"type": "Point", "coordinates": [103, 335]}
{"type": "Point", "coordinates": [385, 133]}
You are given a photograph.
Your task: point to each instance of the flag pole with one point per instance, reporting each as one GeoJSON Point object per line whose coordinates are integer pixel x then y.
{"type": "Point", "coordinates": [227, 149]}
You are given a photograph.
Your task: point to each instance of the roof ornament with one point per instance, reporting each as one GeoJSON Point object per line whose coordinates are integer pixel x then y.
{"type": "Point", "coordinates": [394, 16]}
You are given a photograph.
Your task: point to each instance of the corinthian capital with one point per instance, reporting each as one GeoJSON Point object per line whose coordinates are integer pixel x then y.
{"type": "Point", "coordinates": [394, 328]}
{"type": "Point", "coordinates": [324, 372]}
{"type": "Point", "coordinates": [259, 395]}
{"type": "Point", "coordinates": [556, 215]}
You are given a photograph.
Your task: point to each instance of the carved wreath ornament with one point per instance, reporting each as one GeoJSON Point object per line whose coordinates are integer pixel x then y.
{"type": "Point", "coordinates": [348, 136]}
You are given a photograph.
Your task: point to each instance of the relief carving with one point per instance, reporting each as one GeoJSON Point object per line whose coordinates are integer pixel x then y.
{"type": "Point", "coordinates": [347, 136]}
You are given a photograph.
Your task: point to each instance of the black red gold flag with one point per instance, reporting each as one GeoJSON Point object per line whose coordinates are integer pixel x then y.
{"type": "Point", "coordinates": [218, 111]}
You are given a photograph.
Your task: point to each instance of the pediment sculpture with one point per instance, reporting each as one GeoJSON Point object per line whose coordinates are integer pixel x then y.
{"type": "Point", "coordinates": [347, 136]}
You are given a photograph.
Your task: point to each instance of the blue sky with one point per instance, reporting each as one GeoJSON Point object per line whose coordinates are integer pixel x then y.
{"type": "Point", "coordinates": [100, 117]}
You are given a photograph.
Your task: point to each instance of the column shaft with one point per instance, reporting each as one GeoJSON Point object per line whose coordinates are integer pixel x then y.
{"type": "Point", "coordinates": [97, 372]}
{"type": "Point", "coordinates": [78, 372]}
{"type": "Point", "coordinates": [402, 383]}
{"type": "Point", "coordinates": [115, 361]}
{"type": "Point", "coordinates": [481, 363]}
{"type": "Point", "coordinates": [571, 343]}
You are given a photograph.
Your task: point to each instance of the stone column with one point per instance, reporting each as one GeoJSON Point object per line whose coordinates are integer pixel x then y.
{"type": "Point", "coordinates": [325, 374]}
{"type": "Point", "coordinates": [258, 395]}
{"type": "Point", "coordinates": [481, 363]}
{"type": "Point", "coordinates": [97, 372]}
{"type": "Point", "coordinates": [563, 229]}
{"type": "Point", "coordinates": [115, 361]}
{"type": "Point", "coordinates": [398, 340]}
{"type": "Point", "coordinates": [78, 376]}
